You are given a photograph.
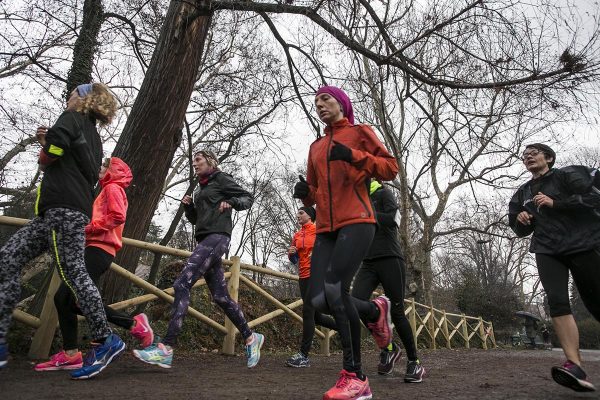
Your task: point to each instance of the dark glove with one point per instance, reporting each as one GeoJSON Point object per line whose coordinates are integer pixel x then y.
{"type": "Point", "coordinates": [301, 188]}
{"type": "Point", "coordinates": [340, 152]}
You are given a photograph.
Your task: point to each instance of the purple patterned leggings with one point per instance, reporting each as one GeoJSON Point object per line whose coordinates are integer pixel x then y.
{"type": "Point", "coordinates": [205, 262]}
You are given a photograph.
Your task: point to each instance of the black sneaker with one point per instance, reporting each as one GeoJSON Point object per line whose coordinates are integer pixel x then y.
{"type": "Point", "coordinates": [414, 372]}
{"type": "Point", "coordinates": [573, 377]}
{"type": "Point", "coordinates": [387, 359]}
{"type": "Point", "coordinates": [298, 360]}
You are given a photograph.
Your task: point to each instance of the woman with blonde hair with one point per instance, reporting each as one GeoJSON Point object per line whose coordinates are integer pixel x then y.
{"type": "Point", "coordinates": [210, 211]}
{"type": "Point", "coordinates": [71, 156]}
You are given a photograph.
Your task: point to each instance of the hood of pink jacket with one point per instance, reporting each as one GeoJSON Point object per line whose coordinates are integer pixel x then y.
{"type": "Point", "coordinates": [118, 172]}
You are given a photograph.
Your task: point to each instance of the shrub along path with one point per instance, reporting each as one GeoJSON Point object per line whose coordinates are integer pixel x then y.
{"type": "Point", "coordinates": [457, 374]}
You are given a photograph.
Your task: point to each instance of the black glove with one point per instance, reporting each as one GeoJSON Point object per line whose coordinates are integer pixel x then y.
{"type": "Point", "coordinates": [340, 152]}
{"type": "Point", "coordinates": [301, 188]}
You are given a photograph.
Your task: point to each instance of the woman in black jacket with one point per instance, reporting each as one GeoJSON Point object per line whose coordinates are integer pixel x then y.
{"type": "Point", "coordinates": [210, 211]}
{"type": "Point", "coordinates": [384, 265]}
{"type": "Point", "coordinates": [560, 208]}
{"type": "Point", "coordinates": [70, 158]}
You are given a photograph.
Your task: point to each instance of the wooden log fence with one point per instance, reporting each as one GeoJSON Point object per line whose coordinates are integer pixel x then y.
{"type": "Point", "coordinates": [430, 326]}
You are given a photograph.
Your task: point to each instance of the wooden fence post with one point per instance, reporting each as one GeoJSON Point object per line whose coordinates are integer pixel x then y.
{"type": "Point", "coordinates": [482, 334]}
{"type": "Point", "coordinates": [412, 318]}
{"type": "Point", "coordinates": [445, 330]}
{"type": "Point", "coordinates": [465, 331]}
{"type": "Point", "coordinates": [42, 339]}
{"type": "Point", "coordinates": [233, 287]}
{"type": "Point", "coordinates": [432, 326]}
{"type": "Point", "coordinates": [325, 342]}
{"type": "Point", "coordinates": [492, 334]}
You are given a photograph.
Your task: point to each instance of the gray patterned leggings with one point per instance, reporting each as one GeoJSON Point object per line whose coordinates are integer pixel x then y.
{"type": "Point", "coordinates": [205, 262]}
{"type": "Point", "coordinates": [61, 231]}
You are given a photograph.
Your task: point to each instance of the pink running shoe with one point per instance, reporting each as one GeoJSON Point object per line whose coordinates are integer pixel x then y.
{"type": "Point", "coordinates": [349, 387]}
{"type": "Point", "coordinates": [61, 361]}
{"type": "Point", "coordinates": [142, 330]}
{"type": "Point", "coordinates": [382, 328]}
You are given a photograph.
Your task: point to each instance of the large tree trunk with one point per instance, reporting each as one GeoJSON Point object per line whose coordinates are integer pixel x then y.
{"type": "Point", "coordinates": [154, 128]}
{"type": "Point", "coordinates": [85, 45]}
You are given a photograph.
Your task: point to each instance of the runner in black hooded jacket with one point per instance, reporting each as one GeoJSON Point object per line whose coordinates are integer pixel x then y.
{"type": "Point", "coordinates": [560, 207]}
{"type": "Point", "coordinates": [384, 265]}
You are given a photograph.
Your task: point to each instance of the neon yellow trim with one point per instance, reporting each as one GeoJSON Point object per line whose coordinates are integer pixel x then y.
{"type": "Point", "coordinates": [37, 200]}
{"type": "Point", "coordinates": [374, 186]}
{"type": "Point", "coordinates": [57, 151]}
{"type": "Point", "coordinates": [60, 269]}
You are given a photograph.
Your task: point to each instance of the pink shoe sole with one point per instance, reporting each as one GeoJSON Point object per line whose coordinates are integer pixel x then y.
{"type": "Point", "coordinates": [60, 368]}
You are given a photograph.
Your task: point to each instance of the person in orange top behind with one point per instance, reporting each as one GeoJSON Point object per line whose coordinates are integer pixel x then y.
{"type": "Point", "coordinates": [299, 254]}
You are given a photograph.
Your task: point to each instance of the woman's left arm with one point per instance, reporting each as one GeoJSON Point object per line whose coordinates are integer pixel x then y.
{"type": "Point", "coordinates": [234, 194]}
{"type": "Point", "coordinates": [373, 158]}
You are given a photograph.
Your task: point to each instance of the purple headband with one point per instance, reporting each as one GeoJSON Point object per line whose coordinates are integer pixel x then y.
{"type": "Point", "coordinates": [342, 98]}
{"type": "Point", "coordinates": [84, 90]}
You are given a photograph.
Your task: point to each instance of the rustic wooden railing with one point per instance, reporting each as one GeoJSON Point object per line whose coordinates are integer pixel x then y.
{"type": "Point", "coordinates": [435, 327]}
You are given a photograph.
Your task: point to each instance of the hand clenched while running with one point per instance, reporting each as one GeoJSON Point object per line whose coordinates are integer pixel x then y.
{"type": "Point", "coordinates": [541, 199]}
{"type": "Point", "coordinates": [224, 206]}
{"type": "Point", "coordinates": [187, 199]}
{"type": "Point", "coordinates": [524, 218]}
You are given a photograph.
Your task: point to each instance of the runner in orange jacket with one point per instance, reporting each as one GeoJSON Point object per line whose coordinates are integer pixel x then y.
{"type": "Point", "coordinates": [300, 253]}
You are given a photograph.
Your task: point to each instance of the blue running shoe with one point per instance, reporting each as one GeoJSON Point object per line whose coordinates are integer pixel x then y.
{"type": "Point", "coordinates": [3, 355]}
{"type": "Point", "coordinates": [99, 356]}
{"type": "Point", "coordinates": [156, 354]}
{"type": "Point", "coordinates": [253, 349]}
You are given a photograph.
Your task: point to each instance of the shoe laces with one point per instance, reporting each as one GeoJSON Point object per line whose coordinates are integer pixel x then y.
{"type": "Point", "coordinates": [90, 357]}
{"type": "Point", "coordinates": [384, 356]}
{"type": "Point", "coordinates": [343, 380]}
{"type": "Point", "coordinates": [412, 367]}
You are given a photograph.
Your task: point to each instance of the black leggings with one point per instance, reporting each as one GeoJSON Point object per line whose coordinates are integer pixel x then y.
{"type": "Point", "coordinates": [391, 273]}
{"type": "Point", "coordinates": [554, 275]}
{"type": "Point", "coordinates": [97, 262]}
{"type": "Point", "coordinates": [310, 318]}
{"type": "Point", "coordinates": [335, 259]}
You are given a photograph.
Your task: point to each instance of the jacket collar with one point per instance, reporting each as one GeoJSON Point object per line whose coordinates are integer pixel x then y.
{"type": "Point", "coordinates": [203, 180]}
{"type": "Point", "coordinates": [309, 227]}
{"type": "Point", "coordinates": [338, 124]}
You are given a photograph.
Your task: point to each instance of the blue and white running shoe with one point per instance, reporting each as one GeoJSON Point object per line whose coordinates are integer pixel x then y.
{"type": "Point", "coordinates": [99, 356]}
{"type": "Point", "coordinates": [3, 355]}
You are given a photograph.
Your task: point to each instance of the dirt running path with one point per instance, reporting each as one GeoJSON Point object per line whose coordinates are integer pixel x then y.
{"type": "Point", "coordinates": [452, 374]}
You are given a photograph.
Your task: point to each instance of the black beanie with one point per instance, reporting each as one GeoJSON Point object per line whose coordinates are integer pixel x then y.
{"type": "Point", "coordinates": [544, 149]}
{"type": "Point", "coordinates": [310, 211]}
